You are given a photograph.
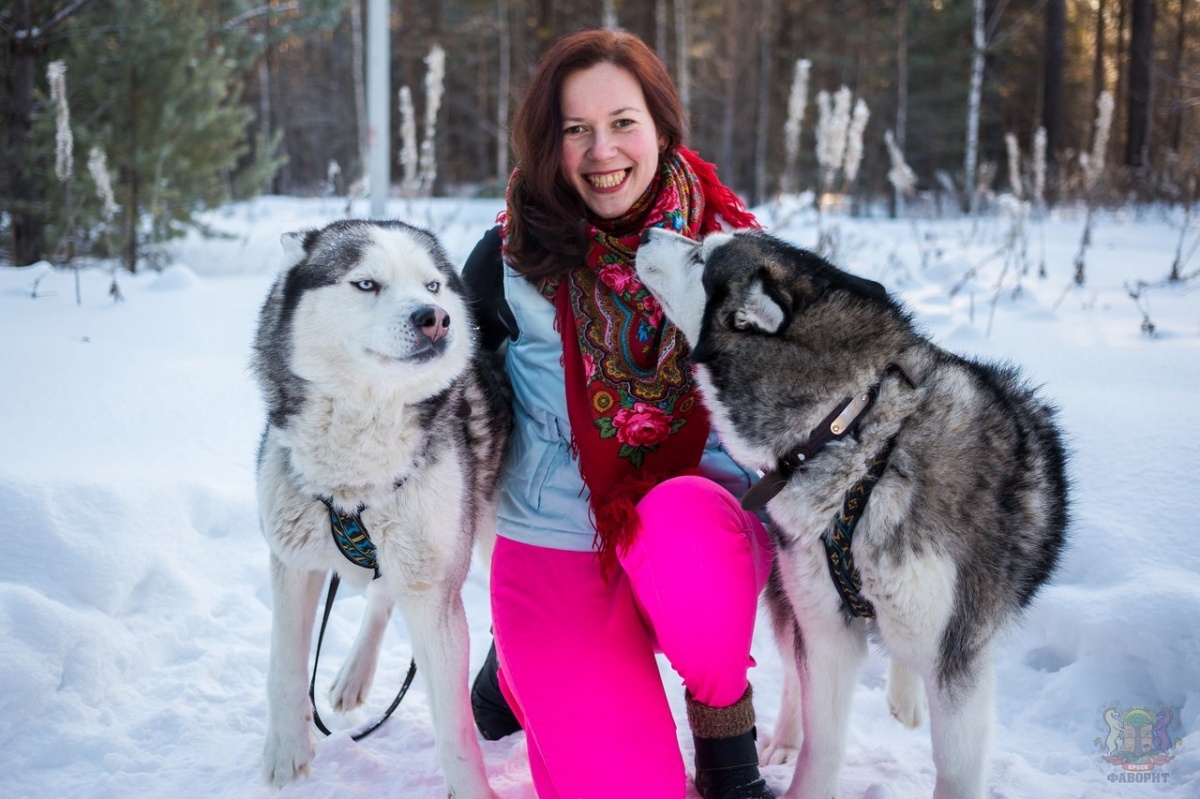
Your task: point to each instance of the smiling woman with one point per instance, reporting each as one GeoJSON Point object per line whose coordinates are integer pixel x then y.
{"type": "Point", "coordinates": [619, 535]}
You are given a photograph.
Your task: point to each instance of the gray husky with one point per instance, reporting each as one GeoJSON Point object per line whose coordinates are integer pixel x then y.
{"type": "Point", "coordinates": [915, 496]}
{"type": "Point", "coordinates": [386, 425]}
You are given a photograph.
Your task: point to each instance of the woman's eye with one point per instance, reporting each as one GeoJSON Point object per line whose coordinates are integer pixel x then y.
{"type": "Point", "coordinates": [623, 123]}
{"type": "Point", "coordinates": [366, 285]}
{"type": "Point", "coordinates": [574, 130]}
{"type": "Point", "coordinates": [433, 287]}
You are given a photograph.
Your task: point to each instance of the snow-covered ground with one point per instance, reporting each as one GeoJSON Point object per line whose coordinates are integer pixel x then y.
{"type": "Point", "coordinates": [134, 598]}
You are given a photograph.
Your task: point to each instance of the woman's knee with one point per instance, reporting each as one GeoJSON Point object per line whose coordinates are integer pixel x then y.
{"type": "Point", "coordinates": [689, 505]}
{"type": "Point", "coordinates": [692, 519]}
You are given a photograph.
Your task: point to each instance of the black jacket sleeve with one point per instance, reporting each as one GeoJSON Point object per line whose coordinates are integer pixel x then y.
{"type": "Point", "coordinates": [484, 276]}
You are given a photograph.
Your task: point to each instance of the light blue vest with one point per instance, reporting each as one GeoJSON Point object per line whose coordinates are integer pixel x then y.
{"type": "Point", "coordinates": [543, 500]}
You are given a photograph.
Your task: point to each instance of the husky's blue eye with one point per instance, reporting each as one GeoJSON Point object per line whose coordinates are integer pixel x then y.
{"type": "Point", "coordinates": [433, 287]}
{"type": "Point", "coordinates": [366, 285]}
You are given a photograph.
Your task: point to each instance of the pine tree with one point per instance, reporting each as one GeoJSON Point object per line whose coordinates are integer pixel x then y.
{"type": "Point", "coordinates": [152, 84]}
{"type": "Point", "coordinates": [168, 118]}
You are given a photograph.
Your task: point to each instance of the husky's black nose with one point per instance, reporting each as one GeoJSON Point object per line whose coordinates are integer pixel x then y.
{"type": "Point", "coordinates": [432, 321]}
{"type": "Point", "coordinates": [646, 234]}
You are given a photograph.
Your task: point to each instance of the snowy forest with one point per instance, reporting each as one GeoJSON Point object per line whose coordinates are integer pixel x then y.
{"type": "Point", "coordinates": [176, 106]}
{"type": "Point", "coordinates": [1021, 174]}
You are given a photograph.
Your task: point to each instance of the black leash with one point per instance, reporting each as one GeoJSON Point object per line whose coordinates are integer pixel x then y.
{"type": "Point", "coordinates": [355, 543]}
{"type": "Point", "coordinates": [334, 581]}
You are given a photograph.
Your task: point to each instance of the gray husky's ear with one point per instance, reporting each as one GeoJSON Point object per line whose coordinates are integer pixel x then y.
{"type": "Point", "coordinates": [293, 248]}
{"type": "Point", "coordinates": [759, 310]}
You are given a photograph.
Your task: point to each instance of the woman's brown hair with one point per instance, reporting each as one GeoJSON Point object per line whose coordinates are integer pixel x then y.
{"type": "Point", "coordinates": [544, 233]}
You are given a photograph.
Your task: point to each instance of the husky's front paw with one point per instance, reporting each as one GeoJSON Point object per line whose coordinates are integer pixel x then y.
{"type": "Point", "coordinates": [778, 748]}
{"type": "Point", "coordinates": [905, 696]}
{"type": "Point", "coordinates": [286, 757]}
{"type": "Point", "coordinates": [773, 755]}
{"type": "Point", "coordinates": [353, 681]}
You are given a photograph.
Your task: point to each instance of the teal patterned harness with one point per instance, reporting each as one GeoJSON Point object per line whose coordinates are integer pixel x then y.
{"type": "Point", "coordinates": [351, 537]}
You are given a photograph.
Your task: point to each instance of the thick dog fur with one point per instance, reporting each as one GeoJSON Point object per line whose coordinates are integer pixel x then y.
{"type": "Point", "coordinates": [377, 399]}
{"type": "Point", "coordinates": [965, 524]}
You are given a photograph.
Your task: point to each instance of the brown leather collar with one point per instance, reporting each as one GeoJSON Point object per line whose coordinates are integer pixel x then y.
{"type": "Point", "coordinates": [841, 422]}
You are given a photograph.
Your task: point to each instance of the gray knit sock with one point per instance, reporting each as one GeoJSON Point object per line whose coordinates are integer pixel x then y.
{"type": "Point", "coordinates": [721, 722]}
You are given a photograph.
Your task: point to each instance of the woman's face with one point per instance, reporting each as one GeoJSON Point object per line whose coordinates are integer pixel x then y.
{"type": "Point", "coordinates": [610, 143]}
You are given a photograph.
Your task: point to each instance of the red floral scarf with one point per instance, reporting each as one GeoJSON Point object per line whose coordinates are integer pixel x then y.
{"type": "Point", "coordinates": [636, 417]}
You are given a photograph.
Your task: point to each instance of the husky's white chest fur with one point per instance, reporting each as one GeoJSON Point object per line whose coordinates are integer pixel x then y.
{"type": "Point", "coordinates": [354, 449]}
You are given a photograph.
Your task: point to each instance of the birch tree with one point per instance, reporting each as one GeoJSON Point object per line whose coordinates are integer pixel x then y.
{"type": "Point", "coordinates": [974, 101]}
{"type": "Point", "coordinates": [609, 15]}
{"type": "Point", "coordinates": [682, 46]}
{"type": "Point", "coordinates": [766, 27]}
{"type": "Point", "coordinates": [1176, 107]}
{"type": "Point", "coordinates": [360, 84]}
{"type": "Point", "coordinates": [1052, 93]}
{"type": "Point", "coordinates": [504, 79]}
{"type": "Point", "coordinates": [731, 90]}
{"type": "Point", "coordinates": [900, 190]}
{"type": "Point", "coordinates": [1099, 82]}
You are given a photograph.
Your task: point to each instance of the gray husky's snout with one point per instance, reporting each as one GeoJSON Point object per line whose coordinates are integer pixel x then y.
{"type": "Point", "coordinates": [432, 321]}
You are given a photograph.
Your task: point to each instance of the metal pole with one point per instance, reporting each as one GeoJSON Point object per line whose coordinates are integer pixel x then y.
{"type": "Point", "coordinates": [378, 95]}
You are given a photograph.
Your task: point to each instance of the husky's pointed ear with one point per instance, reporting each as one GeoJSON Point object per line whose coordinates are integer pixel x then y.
{"type": "Point", "coordinates": [873, 289]}
{"type": "Point", "coordinates": [293, 248]}
{"type": "Point", "coordinates": [760, 309]}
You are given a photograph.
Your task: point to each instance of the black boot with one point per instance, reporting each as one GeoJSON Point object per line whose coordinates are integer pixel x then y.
{"type": "Point", "coordinates": [726, 758]}
{"type": "Point", "coordinates": [493, 716]}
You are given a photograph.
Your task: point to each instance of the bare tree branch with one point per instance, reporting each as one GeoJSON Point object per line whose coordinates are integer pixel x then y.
{"type": "Point", "coordinates": [42, 31]}
{"type": "Point", "coordinates": [261, 11]}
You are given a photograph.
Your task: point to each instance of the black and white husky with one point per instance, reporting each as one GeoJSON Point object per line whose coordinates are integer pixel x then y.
{"type": "Point", "coordinates": [819, 378]}
{"type": "Point", "coordinates": [382, 413]}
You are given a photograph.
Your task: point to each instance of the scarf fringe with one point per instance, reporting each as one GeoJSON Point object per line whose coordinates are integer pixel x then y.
{"type": "Point", "coordinates": [616, 517]}
{"type": "Point", "coordinates": [719, 199]}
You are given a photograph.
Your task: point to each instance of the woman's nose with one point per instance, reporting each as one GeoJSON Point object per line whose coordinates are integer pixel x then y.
{"type": "Point", "coordinates": [603, 145]}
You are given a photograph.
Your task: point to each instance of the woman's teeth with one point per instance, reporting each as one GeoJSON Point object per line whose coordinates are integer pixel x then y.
{"type": "Point", "coordinates": [608, 180]}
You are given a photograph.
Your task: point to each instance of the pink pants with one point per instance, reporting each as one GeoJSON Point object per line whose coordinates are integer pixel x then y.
{"type": "Point", "coordinates": [577, 653]}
